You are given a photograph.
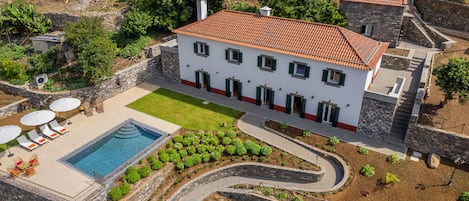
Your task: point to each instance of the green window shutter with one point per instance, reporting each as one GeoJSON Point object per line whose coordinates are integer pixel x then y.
{"type": "Point", "coordinates": [291, 68]}
{"type": "Point", "coordinates": [207, 50]}
{"type": "Point", "coordinates": [227, 87]}
{"type": "Point", "coordinates": [272, 95]}
{"type": "Point", "coordinates": [195, 48]}
{"type": "Point", "coordinates": [197, 79]}
{"type": "Point", "coordinates": [307, 69]}
{"type": "Point", "coordinates": [303, 108]}
{"type": "Point", "coordinates": [274, 64]}
{"type": "Point", "coordinates": [342, 79]}
{"type": "Point", "coordinates": [240, 57]}
{"type": "Point", "coordinates": [240, 91]}
{"type": "Point", "coordinates": [336, 117]}
{"type": "Point", "coordinates": [258, 95]}
{"type": "Point", "coordinates": [324, 75]}
{"type": "Point", "coordinates": [319, 113]}
{"type": "Point", "coordinates": [207, 77]}
{"type": "Point", "coordinates": [259, 61]}
{"type": "Point", "coordinates": [288, 104]}
{"type": "Point", "coordinates": [227, 54]}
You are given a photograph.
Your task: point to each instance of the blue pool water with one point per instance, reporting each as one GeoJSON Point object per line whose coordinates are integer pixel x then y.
{"type": "Point", "coordinates": [108, 153]}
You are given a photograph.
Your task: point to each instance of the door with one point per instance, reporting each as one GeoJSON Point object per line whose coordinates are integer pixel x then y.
{"type": "Point", "coordinates": [207, 81]}
{"type": "Point", "coordinates": [204, 80]}
{"type": "Point", "coordinates": [235, 88]}
{"type": "Point", "coordinates": [197, 79]}
{"type": "Point", "coordinates": [330, 114]}
{"type": "Point", "coordinates": [266, 96]}
{"type": "Point", "coordinates": [297, 104]}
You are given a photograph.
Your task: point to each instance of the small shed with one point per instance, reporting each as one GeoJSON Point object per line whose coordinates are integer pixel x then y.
{"type": "Point", "coordinates": [44, 42]}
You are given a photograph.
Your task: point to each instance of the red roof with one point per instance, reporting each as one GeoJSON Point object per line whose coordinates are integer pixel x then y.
{"type": "Point", "coordinates": [400, 3]}
{"type": "Point", "coordinates": [316, 41]}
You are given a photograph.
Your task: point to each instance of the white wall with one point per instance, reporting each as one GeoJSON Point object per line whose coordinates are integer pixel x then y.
{"type": "Point", "coordinates": [219, 69]}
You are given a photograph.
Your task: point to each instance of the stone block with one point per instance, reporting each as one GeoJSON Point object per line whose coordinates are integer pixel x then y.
{"type": "Point", "coordinates": [433, 160]}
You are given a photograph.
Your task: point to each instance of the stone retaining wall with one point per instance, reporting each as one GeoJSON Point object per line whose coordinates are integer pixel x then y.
{"type": "Point", "coordinates": [112, 20]}
{"type": "Point", "coordinates": [13, 190]}
{"type": "Point", "coordinates": [243, 196]}
{"type": "Point", "coordinates": [376, 115]}
{"type": "Point", "coordinates": [396, 62]}
{"type": "Point", "coordinates": [252, 170]}
{"type": "Point", "coordinates": [444, 13]}
{"type": "Point", "coordinates": [416, 33]}
{"type": "Point", "coordinates": [143, 190]}
{"type": "Point", "coordinates": [118, 83]}
{"type": "Point", "coordinates": [170, 60]}
{"type": "Point", "coordinates": [11, 109]}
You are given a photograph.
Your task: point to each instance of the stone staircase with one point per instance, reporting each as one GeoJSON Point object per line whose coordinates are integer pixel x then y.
{"type": "Point", "coordinates": [402, 116]}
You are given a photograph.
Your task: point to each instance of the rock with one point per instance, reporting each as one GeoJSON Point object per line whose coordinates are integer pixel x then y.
{"type": "Point", "coordinates": [433, 160]}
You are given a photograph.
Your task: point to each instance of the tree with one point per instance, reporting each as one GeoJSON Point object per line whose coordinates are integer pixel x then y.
{"type": "Point", "coordinates": [79, 34]}
{"type": "Point", "coordinates": [96, 58]}
{"type": "Point", "coordinates": [322, 11]}
{"type": "Point", "coordinates": [136, 23]}
{"type": "Point", "coordinates": [169, 13]}
{"type": "Point", "coordinates": [453, 79]}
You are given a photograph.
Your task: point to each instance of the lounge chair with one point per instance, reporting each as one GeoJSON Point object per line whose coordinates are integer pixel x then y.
{"type": "Point", "coordinates": [34, 160]}
{"type": "Point", "coordinates": [20, 163]}
{"type": "Point", "coordinates": [14, 171]}
{"type": "Point", "coordinates": [57, 127]}
{"type": "Point", "coordinates": [48, 132]}
{"type": "Point", "coordinates": [36, 137]}
{"type": "Point", "coordinates": [26, 143]}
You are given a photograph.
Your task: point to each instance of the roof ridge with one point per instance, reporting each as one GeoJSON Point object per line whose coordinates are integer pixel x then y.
{"type": "Point", "coordinates": [350, 44]}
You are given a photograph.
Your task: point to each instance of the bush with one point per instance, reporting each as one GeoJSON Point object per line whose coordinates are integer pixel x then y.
{"type": "Point", "coordinates": [115, 193]}
{"type": "Point", "coordinates": [191, 149]}
{"type": "Point", "coordinates": [10, 69]}
{"type": "Point", "coordinates": [393, 159]}
{"type": "Point", "coordinates": [156, 165]}
{"type": "Point", "coordinates": [180, 166]}
{"type": "Point", "coordinates": [144, 171]}
{"type": "Point", "coordinates": [206, 157]}
{"type": "Point", "coordinates": [255, 149]}
{"type": "Point", "coordinates": [125, 188]}
{"type": "Point", "coordinates": [464, 196]}
{"type": "Point", "coordinates": [220, 148]}
{"type": "Point", "coordinates": [134, 48]}
{"type": "Point", "coordinates": [297, 198]}
{"type": "Point", "coordinates": [195, 140]}
{"type": "Point", "coordinates": [210, 148]}
{"type": "Point", "coordinates": [333, 141]}
{"type": "Point", "coordinates": [266, 150]}
{"type": "Point", "coordinates": [201, 148]}
{"type": "Point", "coordinates": [177, 146]}
{"type": "Point", "coordinates": [230, 150]}
{"type": "Point", "coordinates": [132, 175]}
{"type": "Point", "coordinates": [197, 159]}
{"type": "Point", "coordinates": [282, 196]}
{"type": "Point", "coordinates": [268, 191]}
{"type": "Point", "coordinates": [172, 151]}
{"type": "Point", "coordinates": [391, 178]}
{"type": "Point", "coordinates": [241, 150]}
{"type": "Point", "coordinates": [307, 133]}
{"type": "Point", "coordinates": [231, 134]}
{"type": "Point", "coordinates": [226, 140]}
{"type": "Point", "coordinates": [249, 144]}
{"type": "Point", "coordinates": [367, 170]}
{"type": "Point", "coordinates": [201, 134]}
{"type": "Point", "coordinates": [183, 153]}
{"type": "Point", "coordinates": [169, 144]}
{"type": "Point", "coordinates": [283, 125]}
{"type": "Point", "coordinates": [174, 158]}
{"type": "Point", "coordinates": [237, 142]}
{"type": "Point", "coordinates": [187, 141]}
{"type": "Point", "coordinates": [363, 151]}
{"type": "Point", "coordinates": [151, 158]}
{"type": "Point", "coordinates": [188, 162]}
{"type": "Point", "coordinates": [164, 157]}
{"type": "Point", "coordinates": [215, 155]}
{"type": "Point", "coordinates": [221, 134]}
{"type": "Point", "coordinates": [178, 138]}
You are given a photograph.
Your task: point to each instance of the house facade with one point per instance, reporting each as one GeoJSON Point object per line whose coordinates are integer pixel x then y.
{"type": "Point", "coordinates": [378, 19]}
{"type": "Point", "coordinates": [315, 71]}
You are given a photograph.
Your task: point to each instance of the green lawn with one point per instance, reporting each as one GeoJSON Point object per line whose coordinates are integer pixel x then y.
{"type": "Point", "coordinates": [11, 143]}
{"type": "Point", "coordinates": [186, 111]}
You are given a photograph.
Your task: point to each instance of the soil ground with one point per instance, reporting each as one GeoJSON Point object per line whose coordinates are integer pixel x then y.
{"type": "Point", "coordinates": [396, 51]}
{"type": "Point", "coordinates": [6, 99]}
{"type": "Point", "coordinates": [451, 116]}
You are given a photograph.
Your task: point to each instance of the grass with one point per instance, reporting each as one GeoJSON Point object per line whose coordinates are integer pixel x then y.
{"type": "Point", "coordinates": [186, 111]}
{"type": "Point", "coordinates": [12, 143]}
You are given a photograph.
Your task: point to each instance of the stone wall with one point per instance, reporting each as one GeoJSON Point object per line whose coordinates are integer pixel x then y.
{"type": "Point", "coordinates": [118, 83]}
{"type": "Point", "coordinates": [396, 62]}
{"type": "Point", "coordinates": [427, 139]}
{"type": "Point", "coordinates": [386, 20]}
{"type": "Point", "coordinates": [416, 33]}
{"type": "Point", "coordinates": [13, 190]}
{"type": "Point", "coordinates": [444, 13]}
{"type": "Point", "coordinates": [376, 115]}
{"type": "Point", "coordinates": [11, 109]}
{"type": "Point", "coordinates": [251, 170]}
{"type": "Point", "coordinates": [112, 20]}
{"type": "Point", "coordinates": [170, 60]}
{"type": "Point", "coordinates": [244, 196]}
{"type": "Point", "coordinates": [143, 190]}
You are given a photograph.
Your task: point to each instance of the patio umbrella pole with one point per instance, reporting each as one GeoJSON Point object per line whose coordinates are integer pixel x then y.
{"type": "Point", "coordinates": [9, 152]}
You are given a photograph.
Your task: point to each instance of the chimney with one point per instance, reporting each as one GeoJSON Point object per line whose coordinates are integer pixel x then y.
{"type": "Point", "coordinates": [265, 11]}
{"type": "Point", "coordinates": [201, 9]}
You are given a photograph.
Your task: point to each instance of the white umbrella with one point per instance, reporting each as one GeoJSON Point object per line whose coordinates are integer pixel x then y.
{"type": "Point", "coordinates": [64, 105]}
{"type": "Point", "coordinates": [37, 117]}
{"type": "Point", "coordinates": [8, 133]}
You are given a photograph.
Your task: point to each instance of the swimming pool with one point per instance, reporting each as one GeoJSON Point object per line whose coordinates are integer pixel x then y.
{"type": "Point", "coordinates": [115, 150]}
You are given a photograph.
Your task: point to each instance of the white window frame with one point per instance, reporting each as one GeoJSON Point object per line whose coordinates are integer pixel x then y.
{"type": "Point", "coordinates": [334, 76]}
{"type": "Point", "coordinates": [264, 61]}
{"type": "Point", "coordinates": [295, 69]}
{"type": "Point", "coordinates": [201, 48]}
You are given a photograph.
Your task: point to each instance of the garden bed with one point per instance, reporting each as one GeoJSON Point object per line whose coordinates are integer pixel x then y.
{"type": "Point", "coordinates": [398, 51]}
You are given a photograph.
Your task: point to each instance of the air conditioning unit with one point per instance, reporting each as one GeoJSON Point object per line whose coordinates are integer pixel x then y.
{"type": "Point", "coordinates": [40, 79]}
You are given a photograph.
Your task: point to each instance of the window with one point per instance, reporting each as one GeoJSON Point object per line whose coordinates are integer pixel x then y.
{"type": "Point", "coordinates": [333, 77]}
{"type": "Point", "coordinates": [300, 70]}
{"type": "Point", "coordinates": [266, 63]}
{"type": "Point", "coordinates": [201, 49]}
{"type": "Point", "coordinates": [234, 56]}
{"type": "Point", "coordinates": [366, 30]}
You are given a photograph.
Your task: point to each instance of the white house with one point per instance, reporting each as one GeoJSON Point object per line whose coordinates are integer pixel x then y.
{"type": "Point", "coordinates": [316, 71]}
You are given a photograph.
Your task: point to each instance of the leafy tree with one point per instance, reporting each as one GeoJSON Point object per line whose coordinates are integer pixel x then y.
{"type": "Point", "coordinates": [453, 79]}
{"type": "Point", "coordinates": [96, 58]}
{"type": "Point", "coordinates": [10, 69]}
{"type": "Point", "coordinates": [170, 13]}
{"type": "Point", "coordinates": [136, 23]}
{"type": "Point", "coordinates": [80, 33]}
{"type": "Point", "coordinates": [323, 11]}
{"type": "Point", "coordinates": [243, 6]}
{"type": "Point", "coordinates": [214, 6]}
{"type": "Point", "coordinates": [45, 62]}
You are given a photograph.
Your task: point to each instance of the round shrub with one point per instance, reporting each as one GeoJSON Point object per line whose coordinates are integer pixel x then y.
{"type": "Point", "coordinates": [183, 153]}
{"type": "Point", "coordinates": [115, 193]}
{"type": "Point", "coordinates": [255, 149]}
{"type": "Point", "coordinates": [216, 155]}
{"type": "Point", "coordinates": [133, 177]}
{"type": "Point", "coordinates": [266, 150]}
{"type": "Point", "coordinates": [241, 150]}
{"type": "Point", "coordinates": [164, 157]}
{"type": "Point", "coordinates": [367, 170]}
{"type": "Point", "coordinates": [391, 178]}
{"type": "Point", "coordinates": [220, 148]}
{"type": "Point", "coordinates": [162, 151]}
{"type": "Point", "coordinates": [210, 148]}
{"type": "Point", "coordinates": [297, 198]}
{"type": "Point", "coordinates": [221, 134]}
{"type": "Point", "coordinates": [195, 140]}
{"type": "Point", "coordinates": [180, 165]}
{"type": "Point", "coordinates": [363, 151]}
{"type": "Point", "coordinates": [187, 141]}
{"type": "Point", "coordinates": [189, 134]}
{"type": "Point", "coordinates": [191, 150]}
{"type": "Point", "coordinates": [188, 162]}
{"type": "Point", "coordinates": [169, 144]}
{"type": "Point", "coordinates": [172, 151]}
{"type": "Point", "coordinates": [393, 159]}
{"type": "Point", "coordinates": [125, 188]}
{"type": "Point", "coordinates": [177, 146]}
{"type": "Point", "coordinates": [248, 144]}
{"type": "Point", "coordinates": [237, 142]}
{"type": "Point", "coordinates": [151, 158]}
{"type": "Point", "coordinates": [226, 141]}
{"type": "Point", "coordinates": [144, 171]}
{"type": "Point", "coordinates": [231, 134]}
{"type": "Point", "coordinates": [201, 134]}
{"type": "Point", "coordinates": [214, 140]}
{"type": "Point", "coordinates": [464, 196]}
{"type": "Point", "coordinates": [178, 138]}
{"type": "Point", "coordinates": [201, 148]}
{"type": "Point", "coordinates": [197, 159]}
{"type": "Point", "coordinates": [230, 150]}
{"type": "Point", "coordinates": [333, 141]}
{"type": "Point", "coordinates": [206, 157]}
{"type": "Point", "coordinates": [174, 158]}
{"type": "Point", "coordinates": [156, 165]}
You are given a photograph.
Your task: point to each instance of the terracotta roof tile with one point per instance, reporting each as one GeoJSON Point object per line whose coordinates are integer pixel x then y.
{"type": "Point", "coordinates": [400, 3]}
{"type": "Point", "coordinates": [309, 40]}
